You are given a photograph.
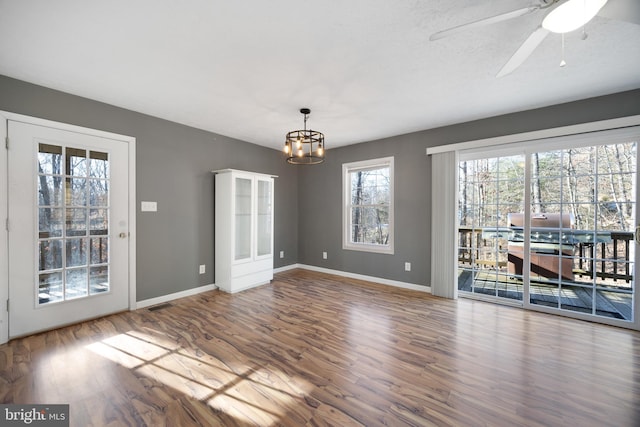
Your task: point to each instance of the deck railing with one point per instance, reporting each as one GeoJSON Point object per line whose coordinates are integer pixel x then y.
{"type": "Point", "coordinates": [609, 259]}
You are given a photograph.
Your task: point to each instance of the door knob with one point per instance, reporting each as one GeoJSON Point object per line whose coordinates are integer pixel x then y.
{"type": "Point", "coordinates": [122, 235]}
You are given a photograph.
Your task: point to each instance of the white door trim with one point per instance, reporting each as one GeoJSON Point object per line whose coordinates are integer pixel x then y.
{"type": "Point", "coordinates": [4, 253]}
{"type": "Point", "coordinates": [4, 237]}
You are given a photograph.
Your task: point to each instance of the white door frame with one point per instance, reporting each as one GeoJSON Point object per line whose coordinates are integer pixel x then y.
{"type": "Point", "coordinates": [4, 249]}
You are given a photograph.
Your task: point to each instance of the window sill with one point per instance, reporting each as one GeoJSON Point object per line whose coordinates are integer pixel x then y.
{"type": "Point", "coordinates": [388, 249]}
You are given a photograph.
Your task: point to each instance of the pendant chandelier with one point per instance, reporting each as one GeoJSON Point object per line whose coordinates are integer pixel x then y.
{"type": "Point", "coordinates": [304, 147]}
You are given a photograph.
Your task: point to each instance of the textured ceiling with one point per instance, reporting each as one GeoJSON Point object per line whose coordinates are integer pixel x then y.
{"type": "Point", "coordinates": [366, 68]}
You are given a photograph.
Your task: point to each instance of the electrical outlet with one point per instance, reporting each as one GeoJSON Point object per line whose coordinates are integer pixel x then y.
{"type": "Point", "coordinates": [203, 269]}
{"type": "Point", "coordinates": [324, 255]}
{"type": "Point", "coordinates": [407, 266]}
{"type": "Point", "coordinates": [281, 254]}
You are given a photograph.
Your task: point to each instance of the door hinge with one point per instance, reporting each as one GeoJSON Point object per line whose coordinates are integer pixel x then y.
{"type": "Point", "coordinates": [6, 224]}
{"type": "Point", "coordinates": [7, 304]}
{"type": "Point", "coordinates": [6, 142]}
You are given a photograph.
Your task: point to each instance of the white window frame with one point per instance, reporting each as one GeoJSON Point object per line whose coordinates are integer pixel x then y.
{"type": "Point", "coordinates": [347, 170]}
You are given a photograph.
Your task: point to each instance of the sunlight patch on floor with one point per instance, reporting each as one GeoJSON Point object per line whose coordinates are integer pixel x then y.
{"type": "Point", "coordinates": [257, 395]}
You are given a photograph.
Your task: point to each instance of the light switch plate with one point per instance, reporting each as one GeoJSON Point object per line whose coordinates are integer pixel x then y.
{"type": "Point", "coordinates": [149, 206]}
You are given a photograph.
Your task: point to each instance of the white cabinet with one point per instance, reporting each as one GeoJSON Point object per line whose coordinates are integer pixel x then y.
{"type": "Point", "coordinates": [244, 229]}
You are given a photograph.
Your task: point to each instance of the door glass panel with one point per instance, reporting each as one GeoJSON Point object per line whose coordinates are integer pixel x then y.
{"type": "Point", "coordinates": [50, 222]}
{"type": "Point", "coordinates": [98, 192]}
{"type": "Point", "coordinates": [50, 190]}
{"type": "Point", "coordinates": [50, 255]}
{"type": "Point", "coordinates": [489, 251]}
{"type": "Point", "coordinates": [76, 191]}
{"type": "Point", "coordinates": [99, 248]}
{"type": "Point", "coordinates": [76, 252]}
{"type": "Point", "coordinates": [98, 164]}
{"type": "Point", "coordinates": [72, 265]}
{"type": "Point", "coordinates": [76, 224]}
{"type": "Point", "coordinates": [50, 287]}
{"type": "Point", "coordinates": [76, 161]}
{"type": "Point", "coordinates": [98, 279]}
{"type": "Point", "coordinates": [582, 223]}
{"type": "Point", "coordinates": [49, 158]}
{"type": "Point", "coordinates": [99, 221]}
{"type": "Point", "coordinates": [243, 218]}
{"type": "Point", "coordinates": [264, 218]}
{"type": "Point", "coordinates": [75, 283]}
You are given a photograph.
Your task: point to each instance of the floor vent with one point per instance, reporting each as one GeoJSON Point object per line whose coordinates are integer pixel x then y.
{"type": "Point", "coordinates": [159, 306]}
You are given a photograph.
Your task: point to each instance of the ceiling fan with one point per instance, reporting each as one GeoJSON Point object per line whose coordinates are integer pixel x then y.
{"type": "Point", "coordinates": [562, 17]}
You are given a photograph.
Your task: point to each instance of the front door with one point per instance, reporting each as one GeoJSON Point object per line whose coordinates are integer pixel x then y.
{"type": "Point", "coordinates": [68, 227]}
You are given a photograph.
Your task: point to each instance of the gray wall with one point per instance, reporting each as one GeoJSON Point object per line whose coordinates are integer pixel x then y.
{"type": "Point", "coordinates": [174, 164]}
{"type": "Point", "coordinates": [320, 189]}
{"type": "Point", "coordinates": [173, 169]}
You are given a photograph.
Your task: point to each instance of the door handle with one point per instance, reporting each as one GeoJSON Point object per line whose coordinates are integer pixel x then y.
{"type": "Point", "coordinates": [124, 235]}
{"type": "Point", "coordinates": [637, 234]}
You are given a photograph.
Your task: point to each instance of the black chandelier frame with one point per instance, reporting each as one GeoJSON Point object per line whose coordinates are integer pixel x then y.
{"type": "Point", "coordinates": [304, 146]}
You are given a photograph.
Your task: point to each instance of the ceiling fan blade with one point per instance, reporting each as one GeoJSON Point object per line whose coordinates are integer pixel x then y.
{"type": "Point", "coordinates": [483, 22]}
{"type": "Point", "coordinates": [524, 51]}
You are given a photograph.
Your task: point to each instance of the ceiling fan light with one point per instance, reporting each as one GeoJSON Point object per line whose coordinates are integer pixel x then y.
{"type": "Point", "coordinates": [572, 15]}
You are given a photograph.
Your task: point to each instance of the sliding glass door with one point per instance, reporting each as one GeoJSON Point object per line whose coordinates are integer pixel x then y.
{"type": "Point", "coordinates": [572, 249]}
{"type": "Point", "coordinates": [489, 190]}
{"type": "Point", "coordinates": [582, 249]}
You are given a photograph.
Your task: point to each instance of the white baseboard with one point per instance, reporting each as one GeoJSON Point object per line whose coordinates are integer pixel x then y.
{"type": "Point", "coordinates": [388, 282]}
{"type": "Point", "coordinates": [189, 292]}
{"type": "Point", "coordinates": [166, 298]}
{"type": "Point", "coordinates": [286, 268]}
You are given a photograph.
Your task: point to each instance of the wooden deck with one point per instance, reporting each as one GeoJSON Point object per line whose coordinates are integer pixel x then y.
{"type": "Point", "coordinates": [312, 349]}
{"type": "Point", "coordinates": [571, 297]}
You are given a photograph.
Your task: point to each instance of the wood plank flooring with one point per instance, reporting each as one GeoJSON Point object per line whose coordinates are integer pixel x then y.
{"type": "Point", "coordinates": [312, 349]}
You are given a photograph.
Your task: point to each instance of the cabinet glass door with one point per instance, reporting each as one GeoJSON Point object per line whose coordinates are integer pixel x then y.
{"type": "Point", "coordinates": [264, 217]}
{"type": "Point", "coordinates": [242, 219]}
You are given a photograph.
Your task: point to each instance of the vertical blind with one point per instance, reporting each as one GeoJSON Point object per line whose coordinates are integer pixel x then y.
{"type": "Point", "coordinates": [444, 191]}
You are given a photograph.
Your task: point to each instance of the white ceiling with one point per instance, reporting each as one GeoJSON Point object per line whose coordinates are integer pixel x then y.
{"type": "Point", "coordinates": [366, 68]}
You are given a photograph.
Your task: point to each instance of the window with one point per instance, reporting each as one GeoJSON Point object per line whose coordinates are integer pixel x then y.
{"type": "Point", "coordinates": [368, 205]}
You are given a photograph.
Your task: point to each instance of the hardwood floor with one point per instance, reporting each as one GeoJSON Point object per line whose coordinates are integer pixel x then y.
{"type": "Point", "coordinates": [312, 349]}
